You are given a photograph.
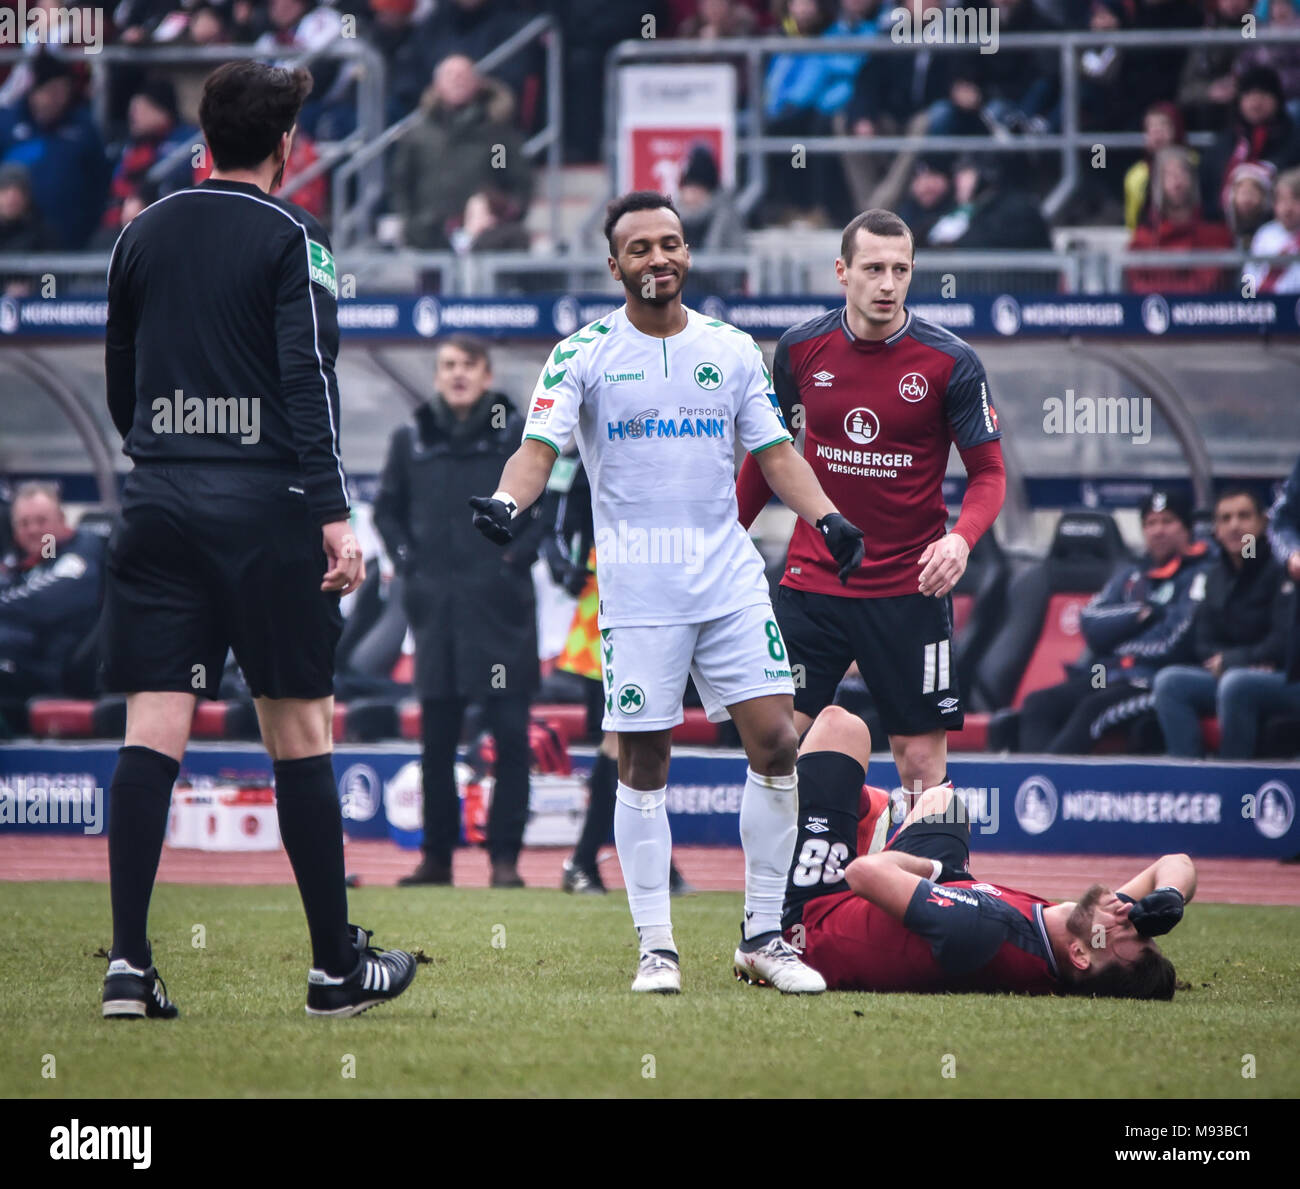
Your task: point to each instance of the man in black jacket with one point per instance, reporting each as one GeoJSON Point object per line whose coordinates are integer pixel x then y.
{"type": "Point", "coordinates": [1240, 637]}
{"type": "Point", "coordinates": [470, 606]}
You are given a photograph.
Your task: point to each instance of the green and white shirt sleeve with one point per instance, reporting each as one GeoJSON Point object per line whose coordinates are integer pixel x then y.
{"type": "Point", "coordinates": [759, 421]}
{"type": "Point", "coordinates": [557, 399]}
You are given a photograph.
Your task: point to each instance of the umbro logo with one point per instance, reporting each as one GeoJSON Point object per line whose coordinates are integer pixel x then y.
{"type": "Point", "coordinates": [816, 825]}
{"type": "Point", "coordinates": [948, 705]}
{"type": "Point", "coordinates": [823, 378]}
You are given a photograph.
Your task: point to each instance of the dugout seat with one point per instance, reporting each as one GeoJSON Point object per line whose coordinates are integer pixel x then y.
{"type": "Point", "coordinates": [62, 718]}
{"type": "Point", "coordinates": [979, 610]}
{"type": "Point", "coordinates": [1040, 634]}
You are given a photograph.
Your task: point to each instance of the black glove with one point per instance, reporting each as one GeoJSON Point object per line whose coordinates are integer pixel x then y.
{"type": "Point", "coordinates": [844, 540]}
{"type": "Point", "coordinates": [1156, 913]}
{"type": "Point", "coordinates": [492, 518]}
{"type": "Point", "coordinates": [565, 572]}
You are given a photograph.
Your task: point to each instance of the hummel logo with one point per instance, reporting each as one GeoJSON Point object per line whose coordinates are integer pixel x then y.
{"type": "Point", "coordinates": [816, 825]}
{"type": "Point", "coordinates": [823, 378]}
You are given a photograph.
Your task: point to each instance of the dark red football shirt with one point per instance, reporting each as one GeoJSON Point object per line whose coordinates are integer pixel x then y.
{"type": "Point", "coordinates": [879, 421]}
{"type": "Point", "coordinates": [959, 936]}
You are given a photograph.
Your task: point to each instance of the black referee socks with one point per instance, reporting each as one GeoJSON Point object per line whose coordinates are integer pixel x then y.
{"type": "Point", "coordinates": [311, 827]}
{"type": "Point", "coordinates": [138, 800]}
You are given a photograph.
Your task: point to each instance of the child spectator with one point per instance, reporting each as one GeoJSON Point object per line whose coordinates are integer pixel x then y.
{"type": "Point", "coordinates": [1162, 126]}
{"type": "Point", "coordinates": [1250, 201]}
{"type": "Point", "coordinates": [1178, 226]}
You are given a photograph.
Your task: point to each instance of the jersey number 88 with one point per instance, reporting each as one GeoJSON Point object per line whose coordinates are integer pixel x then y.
{"type": "Point", "coordinates": [820, 861]}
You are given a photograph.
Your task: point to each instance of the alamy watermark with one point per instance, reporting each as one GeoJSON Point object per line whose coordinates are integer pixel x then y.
{"type": "Point", "coordinates": [38, 802]}
{"type": "Point", "coordinates": [917, 24]}
{"type": "Point", "coordinates": [1095, 415]}
{"type": "Point", "coordinates": [179, 413]}
{"type": "Point", "coordinates": [980, 807]}
{"type": "Point", "coordinates": [74, 26]}
{"type": "Point", "coordinates": [624, 544]}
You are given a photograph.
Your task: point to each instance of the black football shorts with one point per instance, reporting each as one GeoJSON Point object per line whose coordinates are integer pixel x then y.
{"type": "Point", "coordinates": [903, 647]}
{"type": "Point", "coordinates": [209, 558]}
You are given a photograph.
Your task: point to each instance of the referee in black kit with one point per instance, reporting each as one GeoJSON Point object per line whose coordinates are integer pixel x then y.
{"type": "Point", "coordinates": [222, 333]}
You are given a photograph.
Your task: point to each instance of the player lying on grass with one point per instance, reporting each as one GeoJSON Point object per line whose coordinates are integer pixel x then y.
{"type": "Point", "coordinates": [909, 917]}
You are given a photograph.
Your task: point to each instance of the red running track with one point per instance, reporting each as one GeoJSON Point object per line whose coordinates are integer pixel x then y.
{"type": "Point", "coordinates": [712, 869]}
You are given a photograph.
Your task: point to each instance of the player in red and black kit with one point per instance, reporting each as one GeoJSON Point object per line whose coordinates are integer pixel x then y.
{"type": "Point", "coordinates": [881, 395]}
{"type": "Point", "coordinates": [910, 917]}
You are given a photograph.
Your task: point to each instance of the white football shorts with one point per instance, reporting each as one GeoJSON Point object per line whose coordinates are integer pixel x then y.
{"type": "Point", "coordinates": [734, 658]}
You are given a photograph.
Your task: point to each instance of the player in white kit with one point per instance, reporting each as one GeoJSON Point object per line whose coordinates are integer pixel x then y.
{"type": "Point", "coordinates": [657, 395]}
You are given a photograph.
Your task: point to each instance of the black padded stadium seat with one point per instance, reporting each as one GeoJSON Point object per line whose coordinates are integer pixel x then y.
{"type": "Point", "coordinates": [109, 717]}
{"type": "Point", "coordinates": [366, 608]}
{"type": "Point", "coordinates": [375, 643]}
{"type": "Point", "coordinates": [367, 720]}
{"type": "Point", "coordinates": [562, 687]}
{"type": "Point", "coordinates": [979, 612]}
{"type": "Point", "coordinates": [1040, 633]}
{"type": "Point", "coordinates": [1279, 738]}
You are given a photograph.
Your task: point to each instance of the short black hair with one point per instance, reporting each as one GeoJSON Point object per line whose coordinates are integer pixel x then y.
{"type": "Point", "coordinates": [878, 221]}
{"type": "Point", "coordinates": [1233, 492]}
{"type": "Point", "coordinates": [247, 107]}
{"type": "Point", "coordinates": [634, 200]}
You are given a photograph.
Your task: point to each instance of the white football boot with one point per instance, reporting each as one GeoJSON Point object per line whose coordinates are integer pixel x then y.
{"type": "Point", "coordinates": [658, 973]}
{"type": "Point", "coordinates": [778, 965]}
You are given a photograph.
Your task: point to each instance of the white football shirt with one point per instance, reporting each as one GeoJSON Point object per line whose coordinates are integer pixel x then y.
{"type": "Point", "coordinates": [656, 421]}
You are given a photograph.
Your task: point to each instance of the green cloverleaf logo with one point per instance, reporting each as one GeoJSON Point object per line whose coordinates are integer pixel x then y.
{"type": "Point", "coordinates": [708, 376]}
{"type": "Point", "coordinates": [631, 699]}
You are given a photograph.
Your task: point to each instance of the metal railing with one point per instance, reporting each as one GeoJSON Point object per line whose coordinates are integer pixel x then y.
{"type": "Point", "coordinates": [353, 213]}
{"type": "Point", "coordinates": [369, 74]}
{"type": "Point", "coordinates": [797, 271]}
{"type": "Point", "coordinates": [755, 147]}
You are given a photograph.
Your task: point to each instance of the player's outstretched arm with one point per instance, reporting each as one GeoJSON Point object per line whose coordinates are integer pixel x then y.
{"type": "Point", "coordinates": [522, 482]}
{"type": "Point", "coordinates": [788, 474]}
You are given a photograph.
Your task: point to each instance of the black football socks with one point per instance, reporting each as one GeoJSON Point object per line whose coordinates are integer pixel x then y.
{"type": "Point", "coordinates": [138, 801]}
{"type": "Point", "coordinates": [311, 828]}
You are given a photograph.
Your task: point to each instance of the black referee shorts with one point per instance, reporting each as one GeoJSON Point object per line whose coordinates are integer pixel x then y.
{"type": "Point", "coordinates": [210, 558]}
{"type": "Point", "coordinates": [903, 646]}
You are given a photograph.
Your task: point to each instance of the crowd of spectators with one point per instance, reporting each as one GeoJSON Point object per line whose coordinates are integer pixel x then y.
{"type": "Point", "coordinates": [86, 173]}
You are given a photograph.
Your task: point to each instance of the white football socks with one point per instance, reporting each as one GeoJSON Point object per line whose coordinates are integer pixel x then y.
{"type": "Point", "coordinates": [644, 844]}
{"type": "Point", "coordinates": [769, 814]}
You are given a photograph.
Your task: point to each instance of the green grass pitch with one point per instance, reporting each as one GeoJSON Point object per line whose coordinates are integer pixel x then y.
{"type": "Point", "coordinates": [527, 995]}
